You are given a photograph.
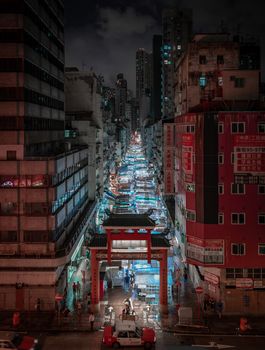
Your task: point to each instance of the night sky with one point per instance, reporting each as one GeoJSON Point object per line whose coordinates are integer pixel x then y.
{"type": "Point", "coordinates": [104, 34]}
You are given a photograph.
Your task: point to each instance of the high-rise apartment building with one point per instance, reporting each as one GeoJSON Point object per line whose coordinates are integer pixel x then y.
{"type": "Point", "coordinates": [177, 31]}
{"type": "Point", "coordinates": [156, 81]}
{"type": "Point", "coordinates": [43, 185]}
{"type": "Point", "coordinates": [143, 73]}
{"type": "Point", "coordinates": [215, 152]}
{"type": "Point", "coordinates": [120, 96]}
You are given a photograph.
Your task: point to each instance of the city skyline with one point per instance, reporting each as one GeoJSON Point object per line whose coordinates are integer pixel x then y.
{"type": "Point", "coordinates": [105, 34]}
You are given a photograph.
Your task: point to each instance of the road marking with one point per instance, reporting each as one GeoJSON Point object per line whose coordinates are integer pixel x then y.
{"type": "Point", "coordinates": [214, 345]}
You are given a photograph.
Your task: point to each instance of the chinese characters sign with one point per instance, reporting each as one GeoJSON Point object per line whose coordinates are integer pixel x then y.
{"type": "Point", "coordinates": [169, 154]}
{"type": "Point", "coordinates": [187, 157]}
{"type": "Point", "coordinates": [207, 251]}
{"type": "Point", "coordinates": [249, 153]}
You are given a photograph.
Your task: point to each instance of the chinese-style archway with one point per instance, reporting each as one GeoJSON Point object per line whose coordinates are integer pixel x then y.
{"type": "Point", "coordinates": [128, 227]}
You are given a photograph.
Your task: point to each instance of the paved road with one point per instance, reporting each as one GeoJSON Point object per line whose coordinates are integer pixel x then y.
{"type": "Point", "coordinates": [168, 341]}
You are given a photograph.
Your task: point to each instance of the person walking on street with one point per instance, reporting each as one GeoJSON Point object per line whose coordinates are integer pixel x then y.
{"type": "Point", "coordinates": [74, 289]}
{"type": "Point", "coordinates": [37, 305]}
{"type": "Point", "coordinates": [219, 308]}
{"type": "Point", "coordinates": [91, 321]}
{"type": "Point", "coordinates": [78, 288]}
{"type": "Point", "coordinates": [79, 310]}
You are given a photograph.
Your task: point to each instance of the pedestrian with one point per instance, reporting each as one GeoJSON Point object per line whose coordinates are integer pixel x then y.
{"type": "Point", "coordinates": [243, 325]}
{"type": "Point", "coordinates": [79, 310]}
{"type": "Point", "coordinates": [185, 274]}
{"type": "Point", "coordinates": [91, 321]}
{"type": "Point", "coordinates": [78, 288]}
{"type": "Point", "coordinates": [219, 308]}
{"type": "Point", "coordinates": [37, 305]}
{"type": "Point", "coordinates": [205, 304]}
{"type": "Point", "coordinates": [88, 299]}
{"type": "Point", "coordinates": [74, 288]}
{"type": "Point", "coordinates": [16, 319]}
{"type": "Point", "coordinates": [212, 304]}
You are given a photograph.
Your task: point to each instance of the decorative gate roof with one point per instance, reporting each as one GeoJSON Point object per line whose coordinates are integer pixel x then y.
{"type": "Point", "coordinates": [129, 220]}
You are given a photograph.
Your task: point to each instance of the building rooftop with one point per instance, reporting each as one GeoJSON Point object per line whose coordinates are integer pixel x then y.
{"type": "Point", "coordinates": [129, 220]}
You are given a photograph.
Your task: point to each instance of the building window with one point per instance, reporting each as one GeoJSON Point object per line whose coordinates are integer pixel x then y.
{"type": "Point", "coordinates": [221, 218]}
{"type": "Point", "coordinates": [237, 188]}
{"type": "Point", "coordinates": [190, 129]}
{"type": "Point", "coordinates": [202, 59]}
{"type": "Point", "coordinates": [190, 187]}
{"type": "Point", "coordinates": [232, 157]}
{"type": "Point", "coordinates": [237, 127]}
{"type": "Point", "coordinates": [256, 273]}
{"type": "Point", "coordinates": [36, 236]}
{"type": "Point", "coordinates": [234, 273]}
{"type": "Point", "coordinates": [8, 236]}
{"type": "Point", "coordinates": [261, 249]}
{"type": "Point", "coordinates": [202, 81]}
{"type": "Point", "coordinates": [220, 128]}
{"type": "Point", "coordinates": [190, 215]}
{"type": "Point", "coordinates": [261, 219]}
{"type": "Point", "coordinates": [220, 158]}
{"type": "Point", "coordinates": [261, 189]}
{"type": "Point", "coordinates": [221, 188]}
{"type": "Point", "coordinates": [238, 218]}
{"type": "Point", "coordinates": [220, 59]}
{"type": "Point", "coordinates": [239, 82]}
{"type": "Point", "coordinates": [238, 248]}
{"type": "Point", "coordinates": [261, 128]}
{"type": "Point", "coordinates": [11, 155]}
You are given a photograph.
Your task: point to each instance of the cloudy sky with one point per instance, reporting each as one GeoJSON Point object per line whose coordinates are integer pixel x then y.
{"type": "Point", "coordinates": [104, 34]}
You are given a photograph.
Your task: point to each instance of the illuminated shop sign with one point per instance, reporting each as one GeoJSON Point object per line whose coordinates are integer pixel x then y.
{"type": "Point", "coordinates": [207, 251]}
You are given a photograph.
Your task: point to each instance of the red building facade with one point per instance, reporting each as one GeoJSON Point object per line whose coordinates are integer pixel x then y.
{"type": "Point", "coordinates": [220, 206]}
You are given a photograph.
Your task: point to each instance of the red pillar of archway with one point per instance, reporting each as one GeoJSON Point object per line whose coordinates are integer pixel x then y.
{"type": "Point", "coordinates": [149, 246]}
{"type": "Point", "coordinates": [163, 282]}
{"type": "Point", "coordinates": [94, 279]}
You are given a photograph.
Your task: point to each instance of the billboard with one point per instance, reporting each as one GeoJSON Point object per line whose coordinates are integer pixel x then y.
{"type": "Point", "coordinates": [187, 157]}
{"type": "Point", "coordinates": [249, 151]}
{"type": "Point", "coordinates": [169, 135]}
{"type": "Point", "coordinates": [169, 154]}
{"type": "Point", "coordinates": [169, 182]}
{"type": "Point", "coordinates": [207, 251]}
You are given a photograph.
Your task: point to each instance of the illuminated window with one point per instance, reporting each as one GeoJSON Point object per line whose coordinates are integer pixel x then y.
{"type": "Point", "coordinates": [202, 81]}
